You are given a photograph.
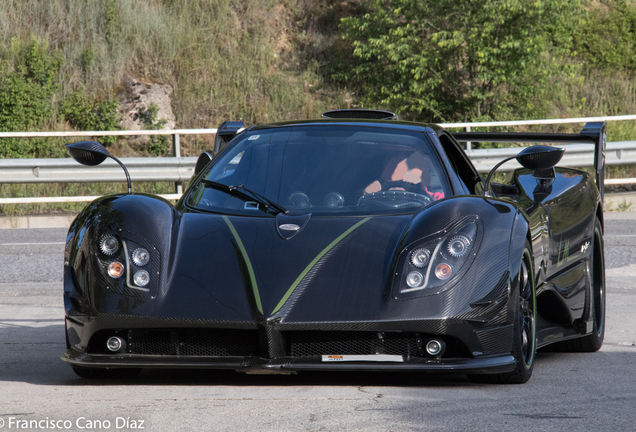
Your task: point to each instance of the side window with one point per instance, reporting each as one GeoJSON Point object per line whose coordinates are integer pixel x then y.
{"type": "Point", "coordinates": [461, 165]}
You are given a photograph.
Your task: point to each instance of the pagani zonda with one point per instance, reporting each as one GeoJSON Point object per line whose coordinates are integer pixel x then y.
{"type": "Point", "coordinates": [354, 242]}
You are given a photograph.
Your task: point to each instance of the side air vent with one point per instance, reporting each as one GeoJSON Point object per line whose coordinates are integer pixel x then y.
{"type": "Point", "coordinates": [366, 114]}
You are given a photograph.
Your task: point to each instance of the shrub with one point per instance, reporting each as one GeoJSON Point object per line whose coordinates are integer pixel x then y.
{"type": "Point", "coordinates": [27, 83]}
{"type": "Point", "coordinates": [157, 144]}
{"type": "Point", "coordinates": [26, 87]}
{"type": "Point", "coordinates": [85, 114]}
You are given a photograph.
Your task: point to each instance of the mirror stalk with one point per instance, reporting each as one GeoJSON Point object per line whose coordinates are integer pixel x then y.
{"type": "Point", "coordinates": [92, 153]}
{"type": "Point", "coordinates": [487, 193]}
{"type": "Point", "coordinates": [540, 159]}
{"type": "Point", "coordinates": [125, 171]}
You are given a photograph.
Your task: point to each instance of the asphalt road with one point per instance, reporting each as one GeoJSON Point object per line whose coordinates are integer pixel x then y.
{"type": "Point", "coordinates": [582, 392]}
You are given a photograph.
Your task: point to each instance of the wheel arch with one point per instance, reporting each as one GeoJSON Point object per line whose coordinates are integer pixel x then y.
{"type": "Point", "coordinates": [520, 233]}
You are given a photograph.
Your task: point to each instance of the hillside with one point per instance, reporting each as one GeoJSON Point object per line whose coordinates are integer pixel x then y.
{"type": "Point", "coordinates": [64, 63]}
{"type": "Point", "coordinates": [92, 64]}
{"type": "Point", "coordinates": [222, 59]}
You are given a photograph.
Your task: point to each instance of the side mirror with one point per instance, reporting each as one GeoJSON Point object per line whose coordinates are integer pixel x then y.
{"type": "Point", "coordinates": [92, 153]}
{"type": "Point", "coordinates": [202, 162]}
{"type": "Point", "coordinates": [88, 153]}
{"type": "Point", "coordinates": [540, 159]}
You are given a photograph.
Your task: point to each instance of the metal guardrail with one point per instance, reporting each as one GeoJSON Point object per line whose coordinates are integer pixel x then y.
{"type": "Point", "coordinates": [576, 155]}
{"type": "Point", "coordinates": [107, 133]}
{"type": "Point", "coordinates": [179, 169]}
{"type": "Point", "coordinates": [66, 170]}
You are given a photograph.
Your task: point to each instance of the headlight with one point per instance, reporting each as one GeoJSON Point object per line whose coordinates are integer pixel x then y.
{"type": "Point", "coordinates": [458, 246]}
{"type": "Point", "coordinates": [109, 245]}
{"type": "Point", "coordinates": [115, 270]}
{"type": "Point", "coordinates": [414, 279]}
{"type": "Point", "coordinates": [127, 262]}
{"type": "Point", "coordinates": [437, 263]}
{"type": "Point", "coordinates": [141, 257]}
{"type": "Point", "coordinates": [141, 278]}
{"type": "Point", "coordinates": [420, 257]}
{"type": "Point", "coordinates": [443, 271]}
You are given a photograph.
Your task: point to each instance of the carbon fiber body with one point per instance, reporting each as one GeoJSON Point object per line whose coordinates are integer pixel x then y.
{"type": "Point", "coordinates": [239, 292]}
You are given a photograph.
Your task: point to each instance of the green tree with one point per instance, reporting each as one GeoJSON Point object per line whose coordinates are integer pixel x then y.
{"type": "Point", "coordinates": [608, 39]}
{"type": "Point", "coordinates": [443, 60]}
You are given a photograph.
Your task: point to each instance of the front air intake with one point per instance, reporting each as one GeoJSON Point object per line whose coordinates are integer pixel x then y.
{"type": "Point", "coordinates": [366, 114]}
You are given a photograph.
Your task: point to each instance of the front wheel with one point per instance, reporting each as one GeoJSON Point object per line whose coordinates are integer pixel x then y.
{"type": "Point", "coordinates": [524, 339]}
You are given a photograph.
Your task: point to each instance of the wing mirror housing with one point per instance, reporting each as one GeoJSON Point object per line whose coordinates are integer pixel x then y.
{"type": "Point", "coordinates": [540, 159]}
{"type": "Point", "coordinates": [92, 153]}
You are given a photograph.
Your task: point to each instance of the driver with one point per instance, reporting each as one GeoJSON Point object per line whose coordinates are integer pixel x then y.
{"type": "Point", "coordinates": [410, 174]}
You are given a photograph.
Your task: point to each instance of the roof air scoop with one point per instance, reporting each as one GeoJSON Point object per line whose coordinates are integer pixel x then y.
{"type": "Point", "coordinates": [364, 114]}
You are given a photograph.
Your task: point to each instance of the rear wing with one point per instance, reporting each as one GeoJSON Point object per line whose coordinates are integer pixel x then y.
{"type": "Point", "coordinates": [593, 133]}
{"type": "Point", "coordinates": [225, 133]}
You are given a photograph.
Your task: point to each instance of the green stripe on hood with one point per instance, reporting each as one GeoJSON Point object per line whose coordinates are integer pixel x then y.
{"type": "Point", "coordinates": [248, 263]}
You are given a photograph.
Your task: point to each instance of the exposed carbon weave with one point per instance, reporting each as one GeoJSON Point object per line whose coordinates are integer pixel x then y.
{"type": "Point", "coordinates": [496, 340]}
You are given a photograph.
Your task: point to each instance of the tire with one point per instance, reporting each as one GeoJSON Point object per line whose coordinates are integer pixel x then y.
{"type": "Point", "coordinates": [593, 341]}
{"type": "Point", "coordinates": [103, 373]}
{"type": "Point", "coordinates": [524, 338]}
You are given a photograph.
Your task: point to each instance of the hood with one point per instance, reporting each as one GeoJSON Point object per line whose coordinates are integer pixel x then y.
{"type": "Point", "coordinates": [245, 268]}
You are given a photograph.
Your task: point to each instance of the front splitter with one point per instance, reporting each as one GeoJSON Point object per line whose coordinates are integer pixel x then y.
{"type": "Point", "coordinates": [483, 365]}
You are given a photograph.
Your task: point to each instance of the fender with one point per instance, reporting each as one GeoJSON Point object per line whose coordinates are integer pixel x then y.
{"type": "Point", "coordinates": [491, 260]}
{"type": "Point", "coordinates": [147, 219]}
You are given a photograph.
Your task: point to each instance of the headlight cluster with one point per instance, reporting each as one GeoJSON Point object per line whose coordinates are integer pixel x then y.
{"type": "Point", "coordinates": [110, 245]}
{"type": "Point", "coordinates": [432, 263]}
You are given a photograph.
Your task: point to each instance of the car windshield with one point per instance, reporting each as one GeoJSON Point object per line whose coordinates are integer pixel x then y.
{"type": "Point", "coordinates": [324, 170]}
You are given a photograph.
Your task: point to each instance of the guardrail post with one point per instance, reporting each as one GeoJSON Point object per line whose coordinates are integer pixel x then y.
{"type": "Point", "coordinates": [178, 186]}
{"type": "Point", "coordinates": [468, 143]}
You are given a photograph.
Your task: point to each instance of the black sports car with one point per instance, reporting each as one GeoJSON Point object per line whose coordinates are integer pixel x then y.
{"type": "Point", "coordinates": [354, 242]}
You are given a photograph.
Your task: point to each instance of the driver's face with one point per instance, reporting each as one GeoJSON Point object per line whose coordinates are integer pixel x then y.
{"type": "Point", "coordinates": [402, 172]}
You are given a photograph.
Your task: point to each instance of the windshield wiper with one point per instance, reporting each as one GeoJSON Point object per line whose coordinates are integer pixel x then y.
{"type": "Point", "coordinates": [238, 191]}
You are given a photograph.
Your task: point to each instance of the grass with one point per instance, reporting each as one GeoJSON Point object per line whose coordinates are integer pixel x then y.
{"type": "Point", "coordinates": [224, 59]}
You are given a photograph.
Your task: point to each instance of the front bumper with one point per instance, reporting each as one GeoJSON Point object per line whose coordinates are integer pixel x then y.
{"type": "Point", "coordinates": [482, 365]}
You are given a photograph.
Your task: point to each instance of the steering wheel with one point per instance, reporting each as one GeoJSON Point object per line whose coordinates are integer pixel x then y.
{"type": "Point", "coordinates": [393, 199]}
{"type": "Point", "coordinates": [410, 187]}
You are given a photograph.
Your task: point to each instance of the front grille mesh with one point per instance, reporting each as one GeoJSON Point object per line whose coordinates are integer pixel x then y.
{"type": "Point", "coordinates": [243, 343]}
{"type": "Point", "coordinates": [309, 343]}
{"type": "Point", "coordinates": [194, 342]}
